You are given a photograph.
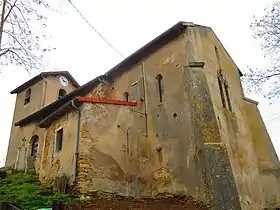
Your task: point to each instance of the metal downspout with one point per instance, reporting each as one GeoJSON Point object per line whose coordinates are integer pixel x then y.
{"type": "Point", "coordinates": [75, 162]}
{"type": "Point", "coordinates": [145, 97]}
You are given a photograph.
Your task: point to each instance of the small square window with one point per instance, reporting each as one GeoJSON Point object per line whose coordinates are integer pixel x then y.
{"type": "Point", "coordinates": [59, 139]}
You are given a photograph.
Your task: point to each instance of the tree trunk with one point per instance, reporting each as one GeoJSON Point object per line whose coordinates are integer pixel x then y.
{"type": "Point", "coordinates": [2, 21]}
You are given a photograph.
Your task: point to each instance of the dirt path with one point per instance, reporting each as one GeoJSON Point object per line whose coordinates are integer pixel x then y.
{"type": "Point", "coordinates": [164, 204]}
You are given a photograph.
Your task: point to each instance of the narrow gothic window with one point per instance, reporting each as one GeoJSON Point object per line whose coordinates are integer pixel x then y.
{"type": "Point", "coordinates": [223, 86]}
{"type": "Point", "coordinates": [160, 87]}
{"type": "Point", "coordinates": [227, 95]}
{"type": "Point", "coordinates": [221, 91]}
{"type": "Point", "coordinates": [34, 146]}
{"type": "Point", "coordinates": [61, 93]}
{"type": "Point", "coordinates": [59, 139]}
{"type": "Point", "coordinates": [27, 96]}
{"type": "Point", "coordinates": [126, 96]}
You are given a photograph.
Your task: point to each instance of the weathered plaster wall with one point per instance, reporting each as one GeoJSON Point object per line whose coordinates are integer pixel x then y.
{"type": "Point", "coordinates": [268, 162]}
{"type": "Point", "coordinates": [122, 151]}
{"type": "Point", "coordinates": [233, 126]}
{"type": "Point", "coordinates": [218, 175]}
{"type": "Point", "coordinates": [20, 112]}
{"type": "Point", "coordinates": [107, 156]}
{"type": "Point", "coordinates": [23, 136]}
{"type": "Point", "coordinates": [54, 163]}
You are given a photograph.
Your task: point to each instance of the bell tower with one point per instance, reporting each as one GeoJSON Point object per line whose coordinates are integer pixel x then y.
{"type": "Point", "coordinates": [33, 95]}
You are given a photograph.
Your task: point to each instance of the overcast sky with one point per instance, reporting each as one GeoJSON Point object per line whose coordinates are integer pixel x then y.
{"type": "Point", "coordinates": [128, 25]}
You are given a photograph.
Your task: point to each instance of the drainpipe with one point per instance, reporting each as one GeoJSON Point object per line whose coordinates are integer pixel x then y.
{"type": "Point", "coordinates": [75, 162]}
{"type": "Point", "coordinates": [145, 96]}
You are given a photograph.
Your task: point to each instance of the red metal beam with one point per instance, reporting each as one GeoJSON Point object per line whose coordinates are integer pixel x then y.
{"type": "Point", "coordinates": [106, 101]}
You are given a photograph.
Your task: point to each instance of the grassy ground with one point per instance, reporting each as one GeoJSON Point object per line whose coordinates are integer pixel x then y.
{"type": "Point", "coordinates": [25, 192]}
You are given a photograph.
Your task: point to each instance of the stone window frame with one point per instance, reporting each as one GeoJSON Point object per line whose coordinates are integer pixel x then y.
{"type": "Point", "coordinates": [55, 140]}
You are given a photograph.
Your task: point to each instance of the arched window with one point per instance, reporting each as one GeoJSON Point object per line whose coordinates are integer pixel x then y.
{"type": "Point", "coordinates": [160, 87]}
{"type": "Point", "coordinates": [34, 146]}
{"type": "Point", "coordinates": [126, 96]}
{"type": "Point", "coordinates": [220, 83]}
{"type": "Point", "coordinates": [61, 93]}
{"type": "Point", "coordinates": [227, 95]}
{"type": "Point", "coordinates": [27, 96]}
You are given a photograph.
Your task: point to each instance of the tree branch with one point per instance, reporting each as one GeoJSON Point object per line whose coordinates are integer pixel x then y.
{"type": "Point", "coordinates": [2, 21]}
{"type": "Point", "coordinates": [22, 61]}
{"type": "Point", "coordinates": [4, 52]}
{"type": "Point", "coordinates": [10, 10]}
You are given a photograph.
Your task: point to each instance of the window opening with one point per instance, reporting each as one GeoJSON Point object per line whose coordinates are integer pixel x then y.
{"type": "Point", "coordinates": [221, 92]}
{"type": "Point", "coordinates": [61, 93]}
{"type": "Point", "coordinates": [227, 96]}
{"type": "Point", "coordinates": [126, 96]}
{"type": "Point", "coordinates": [34, 146]}
{"type": "Point", "coordinates": [59, 138]}
{"type": "Point", "coordinates": [27, 96]}
{"type": "Point", "coordinates": [160, 87]}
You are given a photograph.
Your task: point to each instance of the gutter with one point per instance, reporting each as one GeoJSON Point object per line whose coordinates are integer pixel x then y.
{"type": "Point", "coordinates": [77, 139]}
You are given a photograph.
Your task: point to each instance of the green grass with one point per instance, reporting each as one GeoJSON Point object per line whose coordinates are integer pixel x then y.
{"type": "Point", "coordinates": [25, 192]}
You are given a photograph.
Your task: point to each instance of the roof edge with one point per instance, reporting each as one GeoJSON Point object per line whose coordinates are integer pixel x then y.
{"type": "Point", "coordinates": [42, 76]}
{"type": "Point", "coordinates": [250, 100]}
{"type": "Point", "coordinates": [150, 47]}
{"type": "Point", "coordinates": [47, 121]}
{"type": "Point", "coordinates": [221, 43]}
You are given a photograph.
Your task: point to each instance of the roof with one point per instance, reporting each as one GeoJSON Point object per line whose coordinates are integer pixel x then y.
{"type": "Point", "coordinates": [120, 68]}
{"type": "Point", "coordinates": [41, 76]}
{"type": "Point", "coordinates": [167, 36]}
{"type": "Point", "coordinates": [47, 121]}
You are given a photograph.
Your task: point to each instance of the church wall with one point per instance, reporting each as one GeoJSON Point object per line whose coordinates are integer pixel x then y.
{"type": "Point", "coordinates": [233, 125]}
{"type": "Point", "coordinates": [24, 136]}
{"type": "Point", "coordinates": [123, 151]}
{"type": "Point", "coordinates": [268, 163]}
{"type": "Point", "coordinates": [20, 112]}
{"type": "Point", "coordinates": [188, 143]}
{"type": "Point", "coordinates": [54, 163]}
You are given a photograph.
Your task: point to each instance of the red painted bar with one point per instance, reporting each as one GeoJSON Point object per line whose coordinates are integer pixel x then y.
{"type": "Point", "coordinates": [106, 101]}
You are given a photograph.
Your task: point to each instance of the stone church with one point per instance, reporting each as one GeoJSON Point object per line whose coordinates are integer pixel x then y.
{"type": "Point", "coordinates": [170, 118]}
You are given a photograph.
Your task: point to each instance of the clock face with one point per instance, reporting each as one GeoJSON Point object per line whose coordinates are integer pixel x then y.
{"type": "Point", "coordinates": [63, 81]}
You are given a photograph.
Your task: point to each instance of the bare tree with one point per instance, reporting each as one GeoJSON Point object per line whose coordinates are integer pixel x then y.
{"type": "Point", "coordinates": [266, 29]}
{"type": "Point", "coordinates": [22, 32]}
